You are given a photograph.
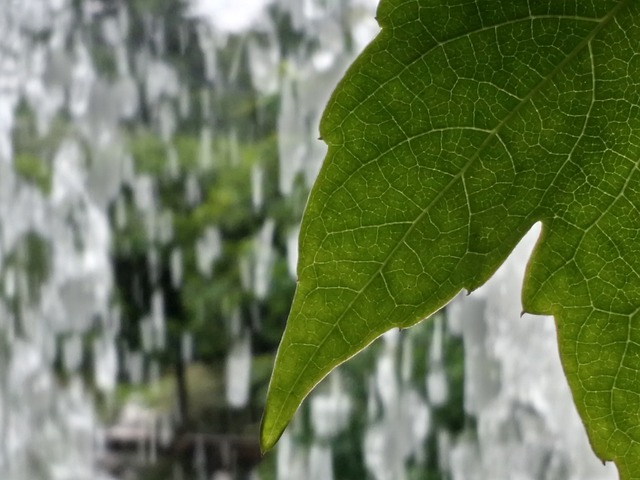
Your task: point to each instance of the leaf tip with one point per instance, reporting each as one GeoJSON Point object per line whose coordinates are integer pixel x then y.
{"type": "Point", "coordinates": [271, 429]}
{"type": "Point", "coordinates": [267, 440]}
{"type": "Point", "coordinates": [264, 449]}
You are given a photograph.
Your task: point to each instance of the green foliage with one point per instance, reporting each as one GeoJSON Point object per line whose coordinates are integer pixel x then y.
{"type": "Point", "coordinates": [463, 124]}
{"type": "Point", "coordinates": [204, 306]}
{"type": "Point", "coordinates": [34, 170]}
{"type": "Point", "coordinates": [32, 256]}
{"type": "Point", "coordinates": [35, 150]}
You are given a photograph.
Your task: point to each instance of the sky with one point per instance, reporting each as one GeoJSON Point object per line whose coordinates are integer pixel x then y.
{"type": "Point", "coordinates": [231, 16]}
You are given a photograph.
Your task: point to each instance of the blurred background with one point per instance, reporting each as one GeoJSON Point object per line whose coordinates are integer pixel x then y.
{"type": "Point", "coordinates": [155, 159]}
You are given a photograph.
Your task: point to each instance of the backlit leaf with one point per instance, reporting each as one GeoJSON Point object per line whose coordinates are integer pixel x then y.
{"type": "Point", "coordinates": [459, 127]}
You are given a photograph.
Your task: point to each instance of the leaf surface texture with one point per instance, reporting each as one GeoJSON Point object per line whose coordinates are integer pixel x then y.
{"type": "Point", "coordinates": [459, 127]}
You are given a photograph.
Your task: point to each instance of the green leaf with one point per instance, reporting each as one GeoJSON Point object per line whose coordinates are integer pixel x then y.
{"type": "Point", "coordinates": [459, 127]}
